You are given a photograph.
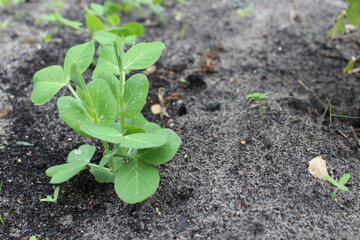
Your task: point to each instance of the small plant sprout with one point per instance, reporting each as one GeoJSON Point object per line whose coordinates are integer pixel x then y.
{"type": "Point", "coordinates": [108, 108]}
{"type": "Point", "coordinates": [332, 114]}
{"type": "Point", "coordinates": [50, 198]}
{"type": "Point", "coordinates": [340, 185]}
{"type": "Point", "coordinates": [258, 97]}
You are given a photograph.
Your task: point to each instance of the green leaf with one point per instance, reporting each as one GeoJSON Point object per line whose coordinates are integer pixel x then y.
{"type": "Point", "coordinates": [105, 37]}
{"type": "Point", "coordinates": [73, 113]}
{"type": "Point", "coordinates": [143, 140]}
{"type": "Point", "coordinates": [82, 55]}
{"type": "Point", "coordinates": [339, 26]}
{"type": "Point", "coordinates": [140, 122]}
{"type": "Point", "coordinates": [104, 102]}
{"type": "Point", "coordinates": [353, 14]}
{"type": "Point", "coordinates": [344, 179]}
{"type": "Point", "coordinates": [76, 76]}
{"type": "Point", "coordinates": [343, 188]}
{"type": "Point", "coordinates": [103, 175]}
{"type": "Point", "coordinates": [143, 55]}
{"type": "Point", "coordinates": [137, 29]}
{"type": "Point", "coordinates": [107, 62]}
{"type": "Point", "coordinates": [81, 155]}
{"type": "Point", "coordinates": [331, 180]}
{"type": "Point", "coordinates": [135, 181]}
{"type": "Point", "coordinates": [62, 173]}
{"type": "Point", "coordinates": [107, 134]}
{"type": "Point", "coordinates": [94, 23]}
{"type": "Point", "coordinates": [98, 9]}
{"type": "Point", "coordinates": [66, 22]}
{"type": "Point", "coordinates": [113, 83]}
{"type": "Point", "coordinates": [112, 20]}
{"type": "Point", "coordinates": [136, 91]}
{"type": "Point", "coordinates": [128, 130]}
{"type": "Point", "coordinates": [47, 82]}
{"type": "Point", "coordinates": [163, 154]}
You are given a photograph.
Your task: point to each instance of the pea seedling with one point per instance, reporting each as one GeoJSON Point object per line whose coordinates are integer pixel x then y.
{"type": "Point", "coordinates": [50, 198]}
{"type": "Point", "coordinates": [340, 185]}
{"type": "Point", "coordinates": [108, 108]}
{"type": "Point", "coordinates": [102, 24]}
{"type": "Point", "coordinates": [258, 97]}
{"type": "Point", "coordinates": [353, 16]}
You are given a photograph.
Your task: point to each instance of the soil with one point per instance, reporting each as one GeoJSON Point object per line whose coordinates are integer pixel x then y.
{"type": "Point", "coordinates": [237, 175]}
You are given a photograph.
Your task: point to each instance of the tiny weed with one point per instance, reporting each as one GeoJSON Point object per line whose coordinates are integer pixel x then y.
{"type": "Point", "coordinates": [331, 114]}
{"type": "Point", "coordinates": [340, 185]}
{"type": "Point", "coordinates": [50, 198]}
{"type": "Point", "coordinates": [157, 210]}
{"type": "Point", "coordinates": [244, 11]}
{"type": "Point", "coordinates": [2, 220]}
{"type": "Point", "coordinates": [33, 238]}
{"type": "Point", "coordinates": [1, 186]}
{"type": "Point", "coordinates": [258, 97]}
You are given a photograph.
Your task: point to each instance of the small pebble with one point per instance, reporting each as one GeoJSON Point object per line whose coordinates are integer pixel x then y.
{"type": "Point", "coordinates": [195, 81]}
{"type": "Point", "coordinates": [182, 108]}
{"type": "Point", "coordinates": [213, 106]}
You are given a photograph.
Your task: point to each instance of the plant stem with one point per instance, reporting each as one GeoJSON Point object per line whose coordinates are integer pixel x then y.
{"type": "Point", "coordinates": [73, 91]}
{"type": "Point", "coordinates": [119, 46]}
{"type": "Point", "coordinates": [106, 146]}
{"type": "Point", "coordinates": [125, 155]}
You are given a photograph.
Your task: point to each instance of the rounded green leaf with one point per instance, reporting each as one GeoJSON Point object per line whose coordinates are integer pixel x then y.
{"type": "Point", "coordinates": [64, 172]}
{"type": "Point", "coordinates": [353, 14]}
{"type": "Point", "coordinates": [137, 29]}
{"type": "Point", "coordinates": [163, 154]}
{"type": "Point", "coordinates": [82, 55]}
{"type": "Point", "coordinates": [113, 83]}
{"type": "Point", "coordinates": [143, 55]}
{"type": "Point", "coordinates": [73, 113]}
{"type": "Point", "coordinates": [103, 175]}
{"type": "Point", "coordinates": [143, 140]}
{"type": "Point", "coordinates": [135, 181]}
{"type": "Point", "coordinates": [107, 62]}
{"type": "Point", "coordinates": [136, 91]}
{"type": "Point", "coordinates": [81, 155]}
{"type": "Point", "coordinates": [94, 23]}
{"type": "Point", "coordinates": [47, 82]}
{"type": "Point", "coordinates": [104, 133]}
{"type": "Point", "coordinates": [104, 102]}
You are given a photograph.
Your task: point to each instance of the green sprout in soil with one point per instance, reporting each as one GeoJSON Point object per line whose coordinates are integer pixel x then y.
{"type": "Point", "coordinates": [50, 198]}
{"type": "Point", "coordinates": [353, 16]}
{"type": "Point", "coordinates": [108, 108]}
{"type": "Point", "coordinates": [258, 97]}
{"type": "Point", "coordinates": [1, 186]}
{"type": "Point", "coordinates": [33, 238]}
{"type": "Point", "coordinates": [246, 10]}
{"type": "Point", "coordinates": [102, 23]}
{"type": "Point", "coordinates": [332, 114]}
{"type": "Point", "coordinates": [340, 185]}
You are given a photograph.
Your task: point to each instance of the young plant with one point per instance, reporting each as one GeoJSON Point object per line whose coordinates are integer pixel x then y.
{"type": "Point", "coordinates": [352, 14]}
{"type": "Point", "coordinates": [102, 24]}
{"type": "Point", "coordinates": [108, 108]}
{"type": "Point", "coordinates": [50, 198]}
{"type": "Point", "coordinates": [340, 185]}
{"type": "Point", "coordinates": [331, 114]}
{"type": "Point", "coordinates": [258, 97]}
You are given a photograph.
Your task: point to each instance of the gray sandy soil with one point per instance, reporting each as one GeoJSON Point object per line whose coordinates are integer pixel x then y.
{"type": "Point", "coordinates": [236, 175]}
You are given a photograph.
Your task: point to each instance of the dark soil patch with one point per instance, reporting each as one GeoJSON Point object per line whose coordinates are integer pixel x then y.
{"type": "Point", "coordinates": [236, 175]}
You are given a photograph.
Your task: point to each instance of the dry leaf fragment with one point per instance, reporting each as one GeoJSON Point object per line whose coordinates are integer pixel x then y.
{"type": "Point", "coordinates": [156, 109]}
{"type": "Point", "coordinates": [150, 70]}
{"type": "Point", "coordinates": [318, 168]}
